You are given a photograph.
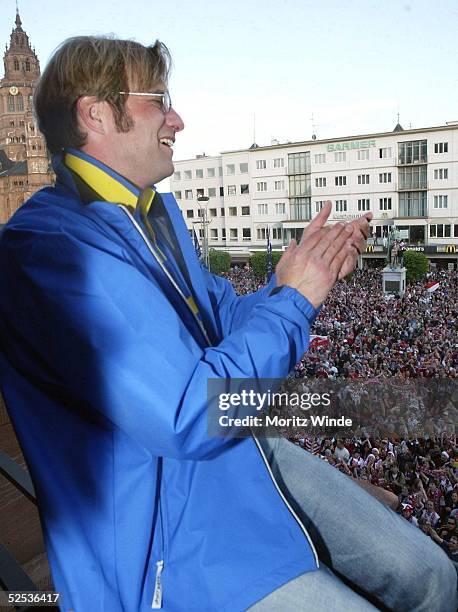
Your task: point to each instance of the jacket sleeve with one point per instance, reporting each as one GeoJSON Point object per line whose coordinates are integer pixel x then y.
{"type": "Point", "coordinates": [234, 310]}
{"type": "Point", "coordinates": [113, 341]}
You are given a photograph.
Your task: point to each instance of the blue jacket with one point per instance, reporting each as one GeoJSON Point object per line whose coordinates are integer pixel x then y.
{"type": "Point", "coordinates": [104, 373]}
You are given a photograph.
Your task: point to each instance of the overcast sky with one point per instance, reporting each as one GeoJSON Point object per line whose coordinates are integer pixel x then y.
{"type": "Point", "coordinates": [352, 64]}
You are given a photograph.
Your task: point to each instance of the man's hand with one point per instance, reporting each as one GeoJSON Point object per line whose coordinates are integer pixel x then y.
{"type": "Point", "coordinates": [313, 266]}
{"type": "Point", "coordinates": [360, 233]}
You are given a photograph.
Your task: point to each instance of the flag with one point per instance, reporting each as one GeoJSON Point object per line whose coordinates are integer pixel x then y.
{"type": "Point", "coordinates": [432, 286]}
{"type": "Point", "coordinates": [316, 341]}
{"type": "Point", "coordinates": [269, 257]}
{"type": "Point", "coordinates": [197, 246]}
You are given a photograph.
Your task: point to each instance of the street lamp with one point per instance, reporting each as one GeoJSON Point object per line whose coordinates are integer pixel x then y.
{"type": "Point", "coordinates": [204, 223]}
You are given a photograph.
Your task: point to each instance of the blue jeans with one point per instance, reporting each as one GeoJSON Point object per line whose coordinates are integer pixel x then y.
{"type": "Point", "coordinates": [378, 554]}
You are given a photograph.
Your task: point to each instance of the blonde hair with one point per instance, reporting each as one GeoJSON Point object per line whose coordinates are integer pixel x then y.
{"type": "Point", "coordinates": [100, 67]}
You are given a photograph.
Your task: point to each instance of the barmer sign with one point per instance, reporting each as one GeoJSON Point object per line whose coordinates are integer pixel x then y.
{"type": "Point", "coordinates": [353, 144]}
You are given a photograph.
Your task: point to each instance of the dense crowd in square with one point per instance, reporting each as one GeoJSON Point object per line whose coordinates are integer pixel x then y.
{"type": "Point", "coordinates": [364, 336]}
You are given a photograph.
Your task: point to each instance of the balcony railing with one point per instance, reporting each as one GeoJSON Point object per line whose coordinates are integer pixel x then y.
{"type": "Point", "coordinates": [408, 160]}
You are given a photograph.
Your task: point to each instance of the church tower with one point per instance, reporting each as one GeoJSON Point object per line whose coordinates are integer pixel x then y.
{"type": "Point", "coordinates": [24, 164]}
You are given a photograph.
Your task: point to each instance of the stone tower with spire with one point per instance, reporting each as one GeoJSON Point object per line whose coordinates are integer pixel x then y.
{"type": "Point", "coordinates": [24, 164]}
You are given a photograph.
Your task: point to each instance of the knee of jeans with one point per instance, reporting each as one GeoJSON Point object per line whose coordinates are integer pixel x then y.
{"type": "Point", "coordinates": [439, 581]}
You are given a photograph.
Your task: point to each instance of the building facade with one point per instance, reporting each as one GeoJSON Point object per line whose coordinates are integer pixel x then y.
{"type": "Point", "coordinates": [24, 164]}
{"type": "Point", "coordinates": [407, 178]}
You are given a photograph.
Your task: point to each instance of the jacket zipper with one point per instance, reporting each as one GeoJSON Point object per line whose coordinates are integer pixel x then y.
{"type": "Point", "coordinates": [164, 269]}
{"type": "Point", "coordinates": [286, 502]}
{"type": "Point", "coordinates": [156, 603]}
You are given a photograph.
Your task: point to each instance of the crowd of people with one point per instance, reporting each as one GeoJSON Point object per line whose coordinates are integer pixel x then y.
{"type": "Point", "coordinates": [400, 346]}
{"type": "Point", "coordinates": [421, 472]}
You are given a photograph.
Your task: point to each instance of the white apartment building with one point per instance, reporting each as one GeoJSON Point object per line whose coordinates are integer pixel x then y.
{"type": "Point", "coordinates": [407, 178]}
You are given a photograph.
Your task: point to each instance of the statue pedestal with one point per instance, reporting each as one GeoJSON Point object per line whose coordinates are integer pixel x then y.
{"type": "Point", "coordinates": [394, 280]}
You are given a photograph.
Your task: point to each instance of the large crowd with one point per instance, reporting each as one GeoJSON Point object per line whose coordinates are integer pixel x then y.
{"type": "Point", "coordinates": [364, 336]}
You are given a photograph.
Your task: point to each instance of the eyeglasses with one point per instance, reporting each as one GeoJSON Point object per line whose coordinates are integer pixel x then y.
{"type": "Point", "coordinates": [165, 97]}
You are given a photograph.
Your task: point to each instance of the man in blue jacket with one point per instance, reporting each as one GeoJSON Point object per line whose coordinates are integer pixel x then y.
{"type": "Point", "coordinates": [110, 330]}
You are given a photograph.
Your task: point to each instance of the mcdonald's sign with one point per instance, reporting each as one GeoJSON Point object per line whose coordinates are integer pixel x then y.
{"type": "Point", "coordinates": [450, 248]}
{"type": "Point", "coordinates": [370, 248]}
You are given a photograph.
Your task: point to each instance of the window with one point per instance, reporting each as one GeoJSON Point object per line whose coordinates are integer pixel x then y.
{"type": "Point", "coordinates": [199, 173]}
{"type": "Point", "coordinates": [212, 212]}
{"type": "Point", "coordinates": [413, 177]}
{"type": "Point", "coordinates": [299, 185]}
{"type": "Point", "coordinates": [363, 179]}
{"type": "Point", "coordinates": [261, 186]}
{"type": "Point", "coordinates": [223, 233]}
{"type": "Point", "coordinates": [340, 181]}
{"type": "Point", "coordinates": [384, 203]}
{"type": "Point", "coordinates": [230, 169]}
{"type": "Point", "coordinates": [10, 103]}
{"type": "Point", "coordinates": [232, 211]}
{"type": "Point", "coordinates": [243, 168]}
{"type": "Point", "coordinates": [319, 205]}
{"type": "Point", "coordinates": [279, 185]}
{"type": "Point", "coordinates": [440, 231]}
{"type": "Point", "coordinates": [245, 210]}
{"type": "Point", "coordinates": [221, 212]}
{"type": "Point", "coordinates": [364, 205]}
{"type": "Point", "coordinates": [200, 212]}
{"type": "Point", "coordinates": [279, 162]}
{"type": "Point", "coordinates": [363, 154]}
{"type": "Point", "coordinates": [412, 152]}
{"type": "Point", "coordinates": [190, 213]}
{"type": "Point", "coordinates": [16, 64]}
{"type": "Point", "coordinates": [221, 192]}
{"type": "Point", "coordinates": [233, 233]}
{"type": "Point", "coordinates": [261, 233]}
{"type": "Point", "coordinates": [27, 65]}
{"type": "Point", "coordinates": [263, 209]}
{"type": "Point", "coordinates": [177, 176]}
{"type": "Point", "coordinates": [277, 233]}
{"type": "Point", "coordinates": [455, 231]}
{"type": "Point", "coordinates": [412, 204]}
{"type": "Point", "coordinates": [384, 177]}
{"type": "Point", "coordinates": [441, 147]}
{"type": "Point", "coordinates": [187, 175]}
{"type": "Point", "coordinates": [213, 234]}
{"type": "Point", "coordinates": [440, 201]}
{"type": "Point", "coordinates": [244, 189]}
{"type": "Point", "coordinates": [201, 233]}
{"type": "Point", "coordinates": [178, 195]}
{"type": "Point", "coordinates": [341, 205]}
{"type": "Point", "coordinates": [320, 181]}
{"type": "Point", "coordinates": [246, 233]}
{"type": "Point", "coordinates": [299, 163]}
{"type": "Point", "coordinates": [340, 156]}
{"type": "Point", "coordinates": [200, 193]}
{"type": "Point", "coordinates": [441, 173]}
{"type": "Point", "coordinates": [210, 172]}
{"type": "Point", "coordinates": [384, 153]}
{"type": "Point", "coordinates": [260, 164]}
{"type": "Point", "coordinates": [231, 190]}
{"type": "Point", "coordinates": [188, 194]}
{"type": "Point", "coordinates": [19, 102]}
{"type": "Point", "coordinates": [280, 208]}
{"type": "Point", "coordinates": [320, 158]}
{"type": "Point", "coordinates": [212, 192]}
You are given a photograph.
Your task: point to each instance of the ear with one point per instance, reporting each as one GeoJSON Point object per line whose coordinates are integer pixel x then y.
{"type": "Point", "coordinates": [92, 114]}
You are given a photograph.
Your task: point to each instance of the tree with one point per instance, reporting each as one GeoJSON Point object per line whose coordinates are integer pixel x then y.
{"type": "Point", "coordinates": [258, 262]}
{"type": "Point", "coordinates": [416, 264]}
{"type": "Point", "coordinates": [220, 261]}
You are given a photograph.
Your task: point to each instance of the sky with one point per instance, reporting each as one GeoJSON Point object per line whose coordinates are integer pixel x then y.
{"type": "Point", "coordinates": [262, 69]}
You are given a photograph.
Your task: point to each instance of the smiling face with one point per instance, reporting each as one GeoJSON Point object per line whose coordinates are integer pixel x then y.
{"type": "Point", "coordinates": [143, 155]}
